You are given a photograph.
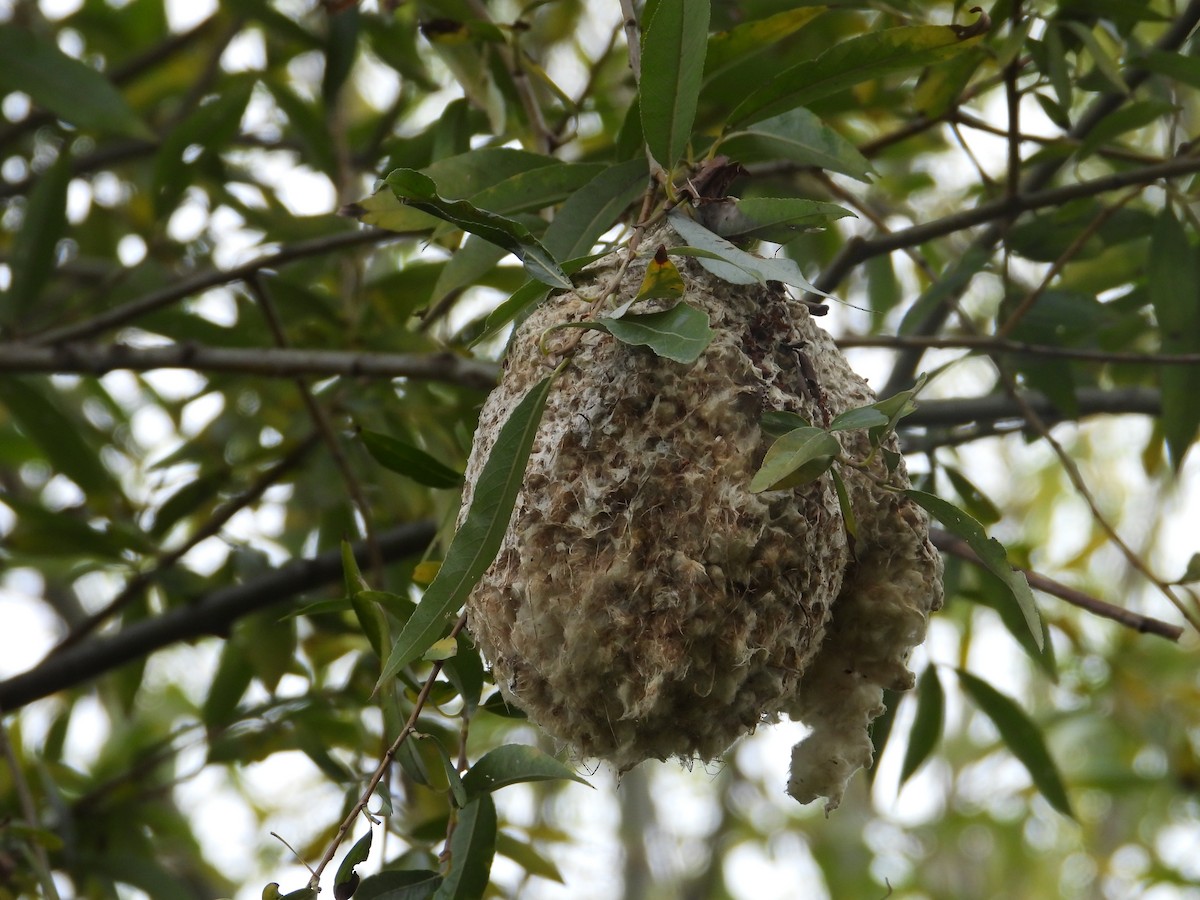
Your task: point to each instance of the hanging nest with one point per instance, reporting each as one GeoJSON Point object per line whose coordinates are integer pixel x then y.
{"type": "Point", "coordinates": [644, 603]}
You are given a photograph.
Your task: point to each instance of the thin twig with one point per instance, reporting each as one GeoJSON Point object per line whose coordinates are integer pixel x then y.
{"type": "Point", "coordinates": [948, 543]}
{"type": "Point", "coordinates": [323, 425]}
{"type": "Point", "coordinates": [1004, 345]}
{"type": "Point", "coordinates": [213, 614]}
{"type": "Point", "coordinates": [633, 38]}
{"type": "Point", "coordinates": [202, 281]}
{"type": "Point", "coordinates": [386, 762]}
{"type": "Point", "coordinates": [98, 359]}
{"type": "Point", "coordinates": [1076, 477]}
{"type": "Point", "coordinates": [165, 561]}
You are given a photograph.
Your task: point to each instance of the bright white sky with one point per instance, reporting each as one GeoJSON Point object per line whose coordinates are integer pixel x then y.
{"type": "Point", "coordinates": [303, 803]}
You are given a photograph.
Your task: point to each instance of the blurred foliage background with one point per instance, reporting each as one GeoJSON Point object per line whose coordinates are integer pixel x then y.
{"type": "Point", "coordinates": [197, 348]}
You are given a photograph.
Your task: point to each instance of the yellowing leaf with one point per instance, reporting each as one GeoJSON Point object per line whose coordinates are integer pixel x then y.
{"type": "Point", "coordinates": [662, 279]}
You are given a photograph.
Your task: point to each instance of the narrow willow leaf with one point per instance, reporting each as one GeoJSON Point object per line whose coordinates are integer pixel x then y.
{"type": "Point", "coordinates": [735, 265]}
{"type": "Point", "coordinates": [453, 779]}
{"type": "Point", "coordinates": [990, 552]}
{"type": "Point", "coordinates": [848, 63]}
{"type": "Point", "coordinates": [778, 422]}
{"type": "Point", "coordinates": [357, 855]}
{"type": "Point", "coordinates": [1179, 66]}
{"type": "Point", "coordinates": [594, 209]}
{"type": "Point", "coordinates": [38, 413]}
{"type": "Point", "coordinates": [673, 49]}
{"type": "Point", "coordinates": [410, 461]}
{"type": "Point", "coordinates": [73, 91]}
{"type": "Point", "coordinates": [927, 725]}
{"type": "Point", "coordinates": [975, 501]}
{"type": "Point", "coordinates": [476, 543]}
{"type": "Point", "coordinates": [370, 616]}
{"type": "Point", "coordinates": [34, 254]}
{"type": "Point", "coordinates": [953, 280]}
{"type": "Point", "coordinates": [727, 48]}
{"type": "Point", "coordinates": [662, 280]}
{"type": "Point", "coordinates": [849, 521]}
{"type": "Point", "coordinates": [797, 458]}
{"type": "Point", "coordinates": [1192, 573]}
{"type": "Point", "coordinates": [441, 649]}
{"type": "Point", "coordinates": [526, 856]}
{"type": "Point", "coordinates": [680, 333]}
{"type": "Point", "coordinates": [525, 300]}
{"type": "Point", "coordinates": [472, 847]}
{"type": "Point", "coordinates": [420, 191]}
{"type": "Point", "coordinates": [513, 764]}
{"type": "Point", "coordinates": [881, 730]}
{"type": "Point", "coordinates": [798, 136]}
{"type": "Point", "coordinates": [404, 884]}
{"type": "Point", "coordinates": [1173, 276]}
{"type": "Point", "coordinates": [895, 407]}
{"type": "Point", "coordinates": [536, 189]}
{"type": "Point", "coordinates": [861, 417]}
{"type": "Point", "coordinates": [941, 86]}
{"type": "Point", "coordinates": [1128, 118]}
{"type": "Point", "coordinates": [1106, 66]}
{"type": "Point", "coordinates": [1022, 737]}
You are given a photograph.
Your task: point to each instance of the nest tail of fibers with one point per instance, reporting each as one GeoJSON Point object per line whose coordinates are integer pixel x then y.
{"type": "Point", "coordinates": [644, 603]}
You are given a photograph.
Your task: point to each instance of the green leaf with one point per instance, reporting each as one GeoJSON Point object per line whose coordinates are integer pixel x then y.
{"type": "Point", "coordinates": [1179, 66]}
{"type": "Point", "coordinates": [881, 730]}
{"type": "Point", "coordinates": [358, 854]}
{"type": "Point", "coordinates": [453, 779]}
{"type": "Point", "coordinates": [975, 501]}
{"type": "Point", "coordinates": [537, 188]}
{"type": "Point", "coordinates": [990, 552]}
{"type": "Point", "coordinates": [1022, 737]}
{"type": "Point", "coordinates": [526, 856]}
{"type": "Point", "coordinates": [73, 91]}
{"type": "Point", "coordinates": [512, 764]}
{"type": "Point", "coordinates": [1107, 67]}
{"type": "Point", "coordinates": [895, 407]}
{"type": "Point", "coordinates": [673, 49]}
{"type": "Point", "coordinates": [420, 192]}
{"type": "Point", "coordinates": [370, 616]}
{"type": "Point", "coordinates": [476, 543]}
{"type": "Point", "coordinates": [954, 279]}
{"type": "Point", "coordinates": [797, 458]}
{"type": "Point", "coordinates": [212, 127]}
{"type": "Point", "coordinates": [523, 301]}
{"type": "Point", "coordinates": [35, 247]}
{"type": "Point", "coordinates": [860, 417]}
{"type": "Point", "coordinates": [472, 847]}
{"type": "Point", "coordinates": [800, 137]}
{"type": "Point", "coordinates": [777, 422]}
{"type": "Point", "coordinates": [735, 265]}
{"type": "Point", "coordinates": [848, 63]}
{"type": "Point", "coordinates": [1128, 118]}
{"type": "Point", "coordinates": [1192, 573]}
{"type": "Point", "coordinates": [38, 413]}
{"type": "Point", "coordinates": [849, 520]}
{"type": "Point", "coordinates": [229, 683]}
{"type": "Point", "coordinates": [927, 725]}
{"type": "Point", "coordinates": [728, 48]}
{"type": "Point", "coordinates": [410, 461]}
{"type": "Point", "coordinates": [594, 209]}
{"type": "Point", "coordinates": [680, 333]}
{"type": "Point", "coordinates": [1173, 276]}
{"type": "Point", "coordinates": [409, 884]}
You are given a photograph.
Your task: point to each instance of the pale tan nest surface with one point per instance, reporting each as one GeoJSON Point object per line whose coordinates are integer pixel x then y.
{"type": "Point", "coordinates": [644, 604]}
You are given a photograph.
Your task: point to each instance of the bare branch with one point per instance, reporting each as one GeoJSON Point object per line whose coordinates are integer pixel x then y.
{"type": "Point", "coordinates": [97, 359]}
{"type": "Point", "coordinates": [213, 614]}
{"type": "Point", "coordinates": [998, 407]}
{"type": "Point", "coordinates": [1003, 345]}
{"type": "Point", "coordinates": [202, 281]}
{"type": "Point", "coordinates": [948, 543]}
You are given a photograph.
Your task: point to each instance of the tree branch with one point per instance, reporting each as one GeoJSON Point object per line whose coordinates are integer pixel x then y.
{"type": "Point", "coordinates": [995, 407]}
{"type": "Point", "coordinates": [97, 359]}
{"type": "Point", "coordinates": [948, 543]}
{"type": "Point", "coordinates": [202, 281]}
{"type": "Point", "coordinates": [213, 614]}
{"type": "Point", "coordinates": [1002, 345]}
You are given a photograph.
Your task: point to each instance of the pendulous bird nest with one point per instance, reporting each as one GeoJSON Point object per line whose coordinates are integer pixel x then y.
{"type": "Point", "coordinates": [644, 603]}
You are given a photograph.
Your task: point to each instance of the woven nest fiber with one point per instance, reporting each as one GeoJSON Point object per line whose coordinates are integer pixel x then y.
{"type": "Point", "coordinates": [644, 603]}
